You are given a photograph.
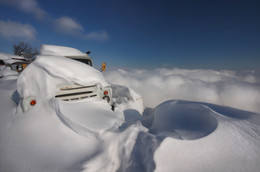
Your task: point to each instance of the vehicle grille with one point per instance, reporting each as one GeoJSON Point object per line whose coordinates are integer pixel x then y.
{"type": "Point", "coordinates": [76, 92]}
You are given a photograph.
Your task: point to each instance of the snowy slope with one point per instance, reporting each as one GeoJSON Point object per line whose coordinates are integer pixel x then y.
{"type": "Point", "coordinates": [88, 136]}
{"type": "Point", "coordinates": [205, 137]}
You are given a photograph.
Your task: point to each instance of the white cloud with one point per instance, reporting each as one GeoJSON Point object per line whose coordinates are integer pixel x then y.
{"type": "Point", "coordinates": [12, 30]}
{"type": "Point", "coordinates": [28, 6]}
{"type": "Point", "coordinates": [97, 36]}
{"type": "Point", "coordinates": [65, 24]}
{"type": "Point", "coordinates": [68, 25]}
{"type": "Point", "coordinates": [228, 88]}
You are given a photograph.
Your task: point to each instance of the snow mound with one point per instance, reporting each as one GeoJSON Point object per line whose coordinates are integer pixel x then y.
{"type": "Point", "coordinates": [125, 97]}
{"type": "Point", "coordinates": [94, 116]}
{"type": "Point", "coordinates": [6, 73]}
{"type": "Point", "coordinates": [231, 139]}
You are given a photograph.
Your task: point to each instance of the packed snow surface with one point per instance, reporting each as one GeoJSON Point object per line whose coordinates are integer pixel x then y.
{"type": "Point", "coordinates": [86, 135]}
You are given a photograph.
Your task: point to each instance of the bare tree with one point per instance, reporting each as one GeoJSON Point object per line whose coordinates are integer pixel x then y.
{"type": "Point", "coordinates": [25, 50]}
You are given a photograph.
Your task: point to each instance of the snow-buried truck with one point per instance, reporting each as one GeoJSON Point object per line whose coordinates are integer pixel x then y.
{"type": "Point", "coordinates": [73, 80]}
{"type": "Point", "coordinates": [75, 91]}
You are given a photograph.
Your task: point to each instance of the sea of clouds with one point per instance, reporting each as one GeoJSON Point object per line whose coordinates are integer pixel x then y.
{"type": "Point", "coordinates": [237, 89]}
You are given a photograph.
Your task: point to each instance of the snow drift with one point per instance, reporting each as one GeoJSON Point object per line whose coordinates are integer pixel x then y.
{"type": "Point", "coordinates": [233, 143]}
{"type": "Point", "coordinates": [86, 135]}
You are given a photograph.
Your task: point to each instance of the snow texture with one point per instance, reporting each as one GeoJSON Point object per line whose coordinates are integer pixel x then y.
{"type": "Point", "coordinates": [172, 135]}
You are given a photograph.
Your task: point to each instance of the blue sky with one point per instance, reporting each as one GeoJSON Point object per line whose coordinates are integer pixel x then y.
{"type": "Point", "coordinates": [141, 34]}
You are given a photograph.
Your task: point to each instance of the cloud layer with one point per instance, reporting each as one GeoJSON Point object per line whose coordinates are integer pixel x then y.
{"type": "Point", "coordinates": [27, 6]}
{"type": "Point", "coordinates": [97, 36]}
{"type": "Point", "coordinates": [228, 88]}
{"type": "Point", "coordinates": [67, 25]}
{"type": "Point", "coordinates": [11, 30]}
{"type": "Point", "coordinates": [64, 24]}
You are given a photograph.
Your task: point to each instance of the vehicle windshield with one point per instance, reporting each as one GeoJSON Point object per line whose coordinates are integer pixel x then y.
{"type": "Point", "coordinates": [19, 67]}
{"type": "Point", "coordinates": [2, 62]}
{"type": "Point", "coordinates": [86, 61]}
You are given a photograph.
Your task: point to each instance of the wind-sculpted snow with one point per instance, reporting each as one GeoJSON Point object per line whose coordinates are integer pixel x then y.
{"type": "Point", "coordinates": [228, 88]}
{"type": "Point", "coordinates": [87, 136]}
{"type": "Point", "coordinates": [232, 146]}
{"type": "Point", "coordinates": [94, 116]}
{"type": "Point", "coordinates": [183, 121]}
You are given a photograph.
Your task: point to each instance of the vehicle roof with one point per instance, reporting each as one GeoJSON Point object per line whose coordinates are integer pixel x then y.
{"type": "Point", "coordinates": [56, 50]}
{"type": "Point", "coordinates": [79, 57]}
{"type": "Point", "coordinates": [10, 58]}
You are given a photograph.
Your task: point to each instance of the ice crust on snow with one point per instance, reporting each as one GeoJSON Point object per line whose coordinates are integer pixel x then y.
{"type": "Point", "coordinates": [88, 136]}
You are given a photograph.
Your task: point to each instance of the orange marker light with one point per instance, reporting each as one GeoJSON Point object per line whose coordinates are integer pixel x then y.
{"type": "Point", "coordinates": [106, 92]}
{"type": "Point", "coordinates": [33, 102]}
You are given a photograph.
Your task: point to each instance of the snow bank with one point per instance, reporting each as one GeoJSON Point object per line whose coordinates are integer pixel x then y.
{"type": "Point", "coordinates": [6, 73]}
{"type": "Point", "coordinates": [89, 115]}
{"type": "Point", "coordinates": [54, 135]}
{"type": "Point", "coordinates": [228, 88]}
{"type": "Point", "coordinates": [126, 98]}
{"type": "Point", "coordinates": [87, 135]}
{"type": "Point", "coordinates": [232, 145]}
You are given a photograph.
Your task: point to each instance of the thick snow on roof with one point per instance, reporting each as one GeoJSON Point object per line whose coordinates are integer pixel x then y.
{"type": "Point", "coordinates": [55, 50]}
{"type": "Point", "coordinates": [10, 58]}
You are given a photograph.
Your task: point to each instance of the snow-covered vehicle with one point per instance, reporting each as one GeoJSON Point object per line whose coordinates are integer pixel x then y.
{"type": "Point", "coordinates": [72, 53]}
{"type": "Point", "coordinates": [72, 91]}
{"type": "Point", "coordinates": [62, 78]}
{"type": "Point", "coordinates": [11, 65]}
